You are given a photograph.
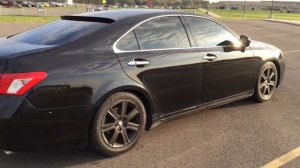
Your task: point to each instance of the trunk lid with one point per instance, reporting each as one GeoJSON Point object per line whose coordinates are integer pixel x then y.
{"type": "Point", "coordinates": [11, 49]}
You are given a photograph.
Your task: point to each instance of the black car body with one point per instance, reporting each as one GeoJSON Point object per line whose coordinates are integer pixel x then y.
{"type": "Point", "coordinates": [80, 67]}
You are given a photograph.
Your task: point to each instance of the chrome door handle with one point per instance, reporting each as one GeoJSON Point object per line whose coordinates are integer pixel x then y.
{"type": "Point", "coordinates": [210, 57]}
{"type": "Point", "coordinates": [138, 63]}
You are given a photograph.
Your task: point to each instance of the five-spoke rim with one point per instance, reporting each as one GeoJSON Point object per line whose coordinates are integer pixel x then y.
{"type": "Point", "coordinates": [267, 83]}
{"type": "Point", "coordinates": [121, 124]}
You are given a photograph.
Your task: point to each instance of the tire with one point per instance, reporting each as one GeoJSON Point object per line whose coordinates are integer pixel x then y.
{"type": "Point", "coordinates": [116, 130]}
{"type": "Point", "coordinates": [266, 82]}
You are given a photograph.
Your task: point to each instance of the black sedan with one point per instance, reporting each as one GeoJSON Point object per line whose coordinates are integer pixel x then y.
{"type": "Point", "coordinates": [102, 78]}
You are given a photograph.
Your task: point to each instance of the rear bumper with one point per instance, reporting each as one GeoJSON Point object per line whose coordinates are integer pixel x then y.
{"type": "Point", "coordinates": [20, 136]}
{"type": "Point", "coordinates": [24, 127]}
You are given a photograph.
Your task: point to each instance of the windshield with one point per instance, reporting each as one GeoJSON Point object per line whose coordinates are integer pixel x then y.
{"type": "Point", "coordinates": [58, 32]}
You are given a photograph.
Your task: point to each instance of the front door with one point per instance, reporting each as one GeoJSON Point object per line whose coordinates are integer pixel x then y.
{"type": "Point", "coordinates": [226, 74]}
{"type": "Point", "coordinates": [227, 71]}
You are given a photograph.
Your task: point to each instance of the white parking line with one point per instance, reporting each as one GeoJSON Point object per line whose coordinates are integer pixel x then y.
{"type": "Point", "coordinates": [287, 52]}
{"type": "Point", "coordinates": [283, 159]}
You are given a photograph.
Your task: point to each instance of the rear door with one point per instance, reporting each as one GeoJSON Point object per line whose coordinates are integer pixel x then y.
{"type": "Point", "coordinates": [228, 70]}
{"type": "Point", "coordinates": [164, 62]}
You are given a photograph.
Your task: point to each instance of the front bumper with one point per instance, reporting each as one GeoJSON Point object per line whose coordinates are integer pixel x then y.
{"type": "Point", "coordinates": [23, 127]}
{"type": "Point", "coordinates": [281, 63]}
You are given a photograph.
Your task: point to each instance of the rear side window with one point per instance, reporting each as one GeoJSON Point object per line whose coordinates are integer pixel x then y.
{"type": "Point", "coordinates": [208, 33]}
{"type": "Point", "coordinates": [58, 32]}
{"type": "Point", "coordinates": [128, 42]}
{"type": "Point", "coordinates": [162, 33]}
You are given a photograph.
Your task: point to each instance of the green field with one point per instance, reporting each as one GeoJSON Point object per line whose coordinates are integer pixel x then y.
{"type": "Point", "coordinates": [28, 19]}
{"type": "Point", "coordinates": [238, 14]}
{"type": "Point", "coordinates": [72, 7]}
{"type": "Point", "coordinates": [198, 11]}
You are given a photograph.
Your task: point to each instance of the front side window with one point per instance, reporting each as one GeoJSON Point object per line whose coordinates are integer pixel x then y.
{"type": "Point", "coordinates": [208, 33]}
{"type": "Point", "coordinates": [162, 33]}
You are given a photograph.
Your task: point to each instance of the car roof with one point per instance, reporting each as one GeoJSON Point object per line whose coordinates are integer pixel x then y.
{"type": "Point", "coordinates": [117, 15]}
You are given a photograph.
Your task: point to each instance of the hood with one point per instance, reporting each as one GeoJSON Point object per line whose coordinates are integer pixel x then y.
{"type": "Point", "coordinates": [262, 46]}
{"type": "Point", "coordinates": [11, 49]}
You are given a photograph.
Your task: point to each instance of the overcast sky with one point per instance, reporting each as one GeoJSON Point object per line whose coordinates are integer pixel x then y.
{"type": "Point", "coordinates": [254, 0]}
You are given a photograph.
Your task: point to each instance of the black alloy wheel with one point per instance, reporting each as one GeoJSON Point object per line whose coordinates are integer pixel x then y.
{"type": "Point", "coordinates": [118, 124]}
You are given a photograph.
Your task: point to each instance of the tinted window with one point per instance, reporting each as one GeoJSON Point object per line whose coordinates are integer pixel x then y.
{"type": "Point", "coordinates": [58, 32]}
{"type": "Point", "coordinates": [164, 32]}
{"type": "Point", "coordinates": [208, 33]}
{"type": "Point", "coordinates": [128, 42]}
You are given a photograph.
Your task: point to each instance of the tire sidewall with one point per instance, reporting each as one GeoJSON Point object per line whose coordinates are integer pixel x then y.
{"type": "Point", "coordinates": [99, 141]}
{"type": "Point", "coordinates": [259, 96]}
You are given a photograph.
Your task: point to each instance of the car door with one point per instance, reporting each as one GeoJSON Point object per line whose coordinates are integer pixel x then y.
{"type": "Point", "coordinates": [158, 55]}
{"type": "Point", "coordinates": [227, 68]}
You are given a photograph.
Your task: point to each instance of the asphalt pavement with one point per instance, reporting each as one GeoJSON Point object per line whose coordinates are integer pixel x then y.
{"type": "Point", "coordinates": [241, 134]}
{"type": "Point", "coordinates": [7, 29]}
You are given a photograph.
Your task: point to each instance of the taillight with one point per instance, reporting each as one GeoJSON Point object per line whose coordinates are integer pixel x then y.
{"type": "Point", "coordinates": [20, 83]}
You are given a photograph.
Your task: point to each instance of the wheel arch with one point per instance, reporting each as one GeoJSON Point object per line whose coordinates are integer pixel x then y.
{"type": "Point", "coordinates": [276, 63]}
{"type": "Point", "coordinates": [141, 93]}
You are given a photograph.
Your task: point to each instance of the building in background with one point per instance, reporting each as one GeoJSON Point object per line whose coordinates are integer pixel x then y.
{"type": "Point", "coordinates": [282, 6]}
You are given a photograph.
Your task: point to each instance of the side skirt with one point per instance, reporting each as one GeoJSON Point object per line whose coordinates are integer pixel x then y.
{"type": "Point", "coordinates": [178, 114]}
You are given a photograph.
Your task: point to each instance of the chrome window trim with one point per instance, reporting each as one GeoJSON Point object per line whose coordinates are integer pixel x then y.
{"type": "Point", "coordinates": [217, 22]}
{"type": "Point", "coordinates": [116, 50]}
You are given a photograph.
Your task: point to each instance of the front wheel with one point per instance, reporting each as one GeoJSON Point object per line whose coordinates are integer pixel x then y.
{"type": "Point", "coordinates": [118, 124]}
{"type": "Point", "coordinates": [266, 82]}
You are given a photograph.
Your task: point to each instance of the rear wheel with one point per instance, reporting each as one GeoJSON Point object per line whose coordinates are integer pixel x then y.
{"type": "Point", "coordinates": [118, 124]}
{"type": "Point", "coordinates": [266, 83]}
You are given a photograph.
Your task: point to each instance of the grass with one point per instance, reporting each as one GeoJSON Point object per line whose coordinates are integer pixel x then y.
{"type": "Point", "coordinates": [27, 19]}
{"type": "Point", "coordinates": [287, 16]}
{"type": "Point", "coordinates": [238, 14]}
{"type": "Point", "coordinates": [72, 7]}
{"type": "Point", "coordinates": [198, 11]}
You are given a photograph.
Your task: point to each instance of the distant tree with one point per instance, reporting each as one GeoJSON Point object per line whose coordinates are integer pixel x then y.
{"type": "Point", "coordinates": [139, 2]}
{"type": "Point", "coordinates": [128, 2]}
{"type": "Point", "coordinates": [177, 2]}
{"type": "Point", "coordinates": [201, 3]}
{"type": "Point", "coordinates": [111, 2]}
{"type": "Point", "coordinates": [121, 2]}
{"type": "Point", "coordinates": [187, 3]}
{"type": "Point", "coordinates": [166, 3]}
{"type": "Point", "coordinates": [197, 3]}
{"type": "Point", "coordinates": [156, 2]}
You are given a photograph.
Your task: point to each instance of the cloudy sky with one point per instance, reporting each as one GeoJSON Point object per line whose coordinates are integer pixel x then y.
{"type": "Point", "coordinates": [254, 0]}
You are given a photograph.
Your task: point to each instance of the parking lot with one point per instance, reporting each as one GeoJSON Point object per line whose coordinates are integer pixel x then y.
{"type": "Point", "coordinates": [240, 134]}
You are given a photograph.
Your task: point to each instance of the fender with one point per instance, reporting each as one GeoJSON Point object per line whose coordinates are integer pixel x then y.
{"type": "Point", "coordinates": [267, 53]}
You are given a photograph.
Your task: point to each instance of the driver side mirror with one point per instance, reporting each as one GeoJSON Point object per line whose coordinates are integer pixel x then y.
{"type": "Point", "coordinates": [245, 40]}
